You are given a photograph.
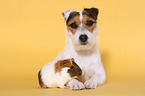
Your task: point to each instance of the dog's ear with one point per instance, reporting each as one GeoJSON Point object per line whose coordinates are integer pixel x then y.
{"type": "Point", "coordinates": [92, 12]}
{"type": "Point", "coordinates": [66, 14]}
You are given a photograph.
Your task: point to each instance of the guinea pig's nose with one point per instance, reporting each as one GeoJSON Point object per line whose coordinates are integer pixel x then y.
{"type": "Point", "coordinates": [83, 38]}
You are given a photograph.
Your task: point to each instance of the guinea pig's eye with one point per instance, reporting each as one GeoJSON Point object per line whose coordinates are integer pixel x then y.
{"type": "Point", "coordinates": [90, 23]}
{"type": "Point", "coordinates": [73, 25]}
{"type": "Point", "coordinates": [72, 67]}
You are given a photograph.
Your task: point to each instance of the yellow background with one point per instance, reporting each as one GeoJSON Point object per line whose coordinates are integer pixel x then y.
{"type": "Point", "coordinates": [32, 33]}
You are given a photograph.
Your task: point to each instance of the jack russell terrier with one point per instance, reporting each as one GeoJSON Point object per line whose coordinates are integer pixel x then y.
{"type": "Point", "coordinates": [81, 31]}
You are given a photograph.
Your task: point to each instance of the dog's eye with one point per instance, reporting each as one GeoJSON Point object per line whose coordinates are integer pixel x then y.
{"type": "Point", "coordinates": [90, 23]}
{"type": "Point", "coordinates": [73, 25]}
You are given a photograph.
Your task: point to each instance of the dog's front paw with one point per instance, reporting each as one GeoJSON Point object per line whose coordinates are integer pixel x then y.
{"type": "Point", "coordinates": [91, 84]}
{"type": "Point", "coordinates": [75, 85]}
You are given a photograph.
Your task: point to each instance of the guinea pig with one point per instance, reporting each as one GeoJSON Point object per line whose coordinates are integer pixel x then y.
{"type": "Point", "coordinates": [59, 73]}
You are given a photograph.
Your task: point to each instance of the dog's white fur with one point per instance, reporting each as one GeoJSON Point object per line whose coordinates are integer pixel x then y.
{"type": "Point", "coordinates": [86, 56]}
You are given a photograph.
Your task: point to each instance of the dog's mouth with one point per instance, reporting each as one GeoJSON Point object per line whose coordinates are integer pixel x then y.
{"type": "Point", "coordinates": [83, 43]}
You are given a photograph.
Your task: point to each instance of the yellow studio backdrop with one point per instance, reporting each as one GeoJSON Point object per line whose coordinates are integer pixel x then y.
{"type": "Point", "coordinates": [32, 33]}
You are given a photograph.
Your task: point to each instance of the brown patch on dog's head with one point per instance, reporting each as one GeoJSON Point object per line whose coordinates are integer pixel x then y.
{"type": "Point", "coordinates": [72, 15]}
{"type": "Point", "coordinates": [74, 69]}
{"type": "Point", "coordinates": [91, 12]}
{"type": "Point", "coordinates": [73, 22]}
{"type": "Point", "coordinates": [89, 18]}
{"type": "Point", "coordinates": [73, 19]}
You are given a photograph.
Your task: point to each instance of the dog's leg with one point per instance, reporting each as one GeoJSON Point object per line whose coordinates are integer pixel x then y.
{"type": "Point", "coordinates": [75, 85]}
{"type": "Point", "coordinates": [97, 79]}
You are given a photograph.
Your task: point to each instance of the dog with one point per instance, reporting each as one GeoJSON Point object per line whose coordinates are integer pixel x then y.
{"type": "Point", "coordinates": [81, 32]}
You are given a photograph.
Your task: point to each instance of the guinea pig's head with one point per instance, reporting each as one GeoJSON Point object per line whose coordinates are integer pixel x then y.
{"type": "Point", "coordinates": [73, 69]}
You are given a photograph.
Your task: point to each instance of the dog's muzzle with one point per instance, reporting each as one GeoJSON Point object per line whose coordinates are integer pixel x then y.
{"type": "Point", "coordinates": [83, 39]}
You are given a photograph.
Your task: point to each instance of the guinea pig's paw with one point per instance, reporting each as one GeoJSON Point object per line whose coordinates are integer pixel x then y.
{"type": "Point", "coordinates": [91, 84]}
{"type": "Point", "coordinates": [75, 85]}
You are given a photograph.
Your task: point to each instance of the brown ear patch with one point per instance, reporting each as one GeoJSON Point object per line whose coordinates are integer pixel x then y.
{"type": "Point", "coordinates": [72, 59]}
{"type": "Point", "coordinates": [89, 18]}
{"type": "Point", "coordinates": [91, 12]}
{"type": "Point", "coordinates": [72, 15]}
{"type": "Point", "coordinates": [73, 22]}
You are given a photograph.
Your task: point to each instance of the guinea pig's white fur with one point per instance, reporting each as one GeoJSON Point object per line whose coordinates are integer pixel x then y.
{"type": "Point", "coordinates": [49, 78]}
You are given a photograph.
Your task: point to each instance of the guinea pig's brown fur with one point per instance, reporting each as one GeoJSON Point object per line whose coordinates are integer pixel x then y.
{"type": "Point", "coordinates": [40, 80]}
{"type": "Point", "coordinates": [73, 71]}
{"type": "Point", "coordinates": [70, 63]}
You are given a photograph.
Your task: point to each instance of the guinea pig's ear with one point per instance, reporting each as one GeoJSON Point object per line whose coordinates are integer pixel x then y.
{"type": "Point", "coordinates": [63, 62]}
{"type": "Point", "coordinates": [72, 59]}
{"type": "Point", "coordinates": [92, 12]}
{"type": "Point", "coordinates": [66, 14]}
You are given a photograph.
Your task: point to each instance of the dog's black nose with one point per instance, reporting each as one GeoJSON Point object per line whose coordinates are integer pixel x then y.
{"type": "Point", "coordinates": [83, 38]}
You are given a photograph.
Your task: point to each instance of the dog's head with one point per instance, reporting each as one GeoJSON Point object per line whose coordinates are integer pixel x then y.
{"type": "Point", "coordinates": [82, 27]}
